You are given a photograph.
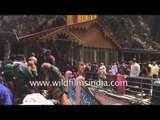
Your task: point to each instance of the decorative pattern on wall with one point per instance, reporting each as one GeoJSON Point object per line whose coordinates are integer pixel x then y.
{"type": "Point", "coordinates": [72, 91]}
{"type": "Point", "coordinates": [85, 97]}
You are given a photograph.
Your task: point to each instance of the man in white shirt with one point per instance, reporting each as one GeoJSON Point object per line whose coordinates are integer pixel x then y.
{"type": "Point", "coordinates": [155, 70]}
{"type": "Point", "coordinates": [135, 69]}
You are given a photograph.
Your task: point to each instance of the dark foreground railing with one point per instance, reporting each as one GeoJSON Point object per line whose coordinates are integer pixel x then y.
{"type": "Point", "coordinates": [142, 90]}
{"type": "Point", "coordinates": [139, 87]}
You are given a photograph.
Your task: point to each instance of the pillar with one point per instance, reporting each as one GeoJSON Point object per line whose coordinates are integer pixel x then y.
{"type": "Point", "coordinates": [122, 56]}
{"type": "Point", "coordinates": [95, 56]}
{"type": "Point", "coordinates": [79, 79]}
{"type": "Point", "coordinates": [139, 57]}
{"type": "Point", "coordinates": [106, 57]}
{"type": "Point", "coordinates": [82, 54]}
{"type": "Point", "coordinates": [148, 57]}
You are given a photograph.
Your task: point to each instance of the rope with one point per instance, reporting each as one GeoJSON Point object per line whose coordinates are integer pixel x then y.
{"type": "Point", "coordinates": [52, 45]}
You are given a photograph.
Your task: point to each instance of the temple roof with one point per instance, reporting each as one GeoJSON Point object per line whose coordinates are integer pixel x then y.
{"type": "Point", "coordinates": [66, 29]}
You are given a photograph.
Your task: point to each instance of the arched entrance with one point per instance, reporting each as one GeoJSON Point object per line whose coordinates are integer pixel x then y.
{"type": "Point", "coordinates": [65, 50]}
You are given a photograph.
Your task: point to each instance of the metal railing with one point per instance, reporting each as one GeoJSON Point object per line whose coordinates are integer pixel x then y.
{"type": "Point", "coordinates": [139, 86]}
{"type": "Point", "coordinates": [142, 88]}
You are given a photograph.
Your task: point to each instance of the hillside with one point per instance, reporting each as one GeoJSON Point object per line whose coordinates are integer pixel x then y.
{"type": "Point", "coordinates": [130, 31]}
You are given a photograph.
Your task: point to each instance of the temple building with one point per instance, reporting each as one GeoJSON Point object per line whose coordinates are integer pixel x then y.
{"type": "Point", "coordinates": [84, 38]}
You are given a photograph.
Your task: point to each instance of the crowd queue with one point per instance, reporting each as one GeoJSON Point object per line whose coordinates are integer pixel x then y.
{"type": "Point", "coordinates": [18, 71]}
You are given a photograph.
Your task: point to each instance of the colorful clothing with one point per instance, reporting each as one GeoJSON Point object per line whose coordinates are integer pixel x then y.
{"type": "Point", "coordinates": [81, 69]}
{"type": "Point", "coordinates": [114, 69]}
{"type": "Point", "coordinates": [151, 70]}
{"type": "Point", "coordinates": [5, 95]}
{"type": "Point", "coordinates": [33, 68]}
{"type": "Point", "coordinates": [53, 75]}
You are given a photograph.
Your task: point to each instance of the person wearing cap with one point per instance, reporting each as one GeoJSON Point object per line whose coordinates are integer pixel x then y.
{"type": "Point", "coordinates": [135, 69]}
{"type": "Point", "coordinates": [8, 67]}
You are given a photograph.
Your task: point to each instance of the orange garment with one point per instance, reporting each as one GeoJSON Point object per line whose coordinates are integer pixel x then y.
{"type": "Point", "coordinates": [65, 100]}
{"type": "Point", "coordinates": [81, 69]}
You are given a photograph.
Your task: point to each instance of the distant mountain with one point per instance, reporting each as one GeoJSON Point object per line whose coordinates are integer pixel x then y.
{"type": "Point", "coordinates": [27, 24]}
{"type": "Point", "coordinates": [138, 31]}
{"type": "Point", "coordinates": [134, 31]}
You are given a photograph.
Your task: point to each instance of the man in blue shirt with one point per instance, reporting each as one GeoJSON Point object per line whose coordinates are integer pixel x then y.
{"type": "Point", "coordinates": [5, 95]}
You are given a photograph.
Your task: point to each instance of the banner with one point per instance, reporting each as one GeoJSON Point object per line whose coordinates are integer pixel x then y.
{"type": "Point", "coordinates": [71, 19]}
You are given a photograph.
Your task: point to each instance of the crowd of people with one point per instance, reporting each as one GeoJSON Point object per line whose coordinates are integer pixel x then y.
{"type": "Point", "coordinates": [18, 71]}
{"type": "Point", "coordinates": [131, 68]}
